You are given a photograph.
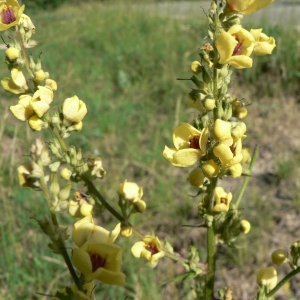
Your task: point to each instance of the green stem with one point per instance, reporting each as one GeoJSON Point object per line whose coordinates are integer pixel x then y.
{"type": "Point", "coordinates": [211, 264]}
{"type": "Point", "coordinates": [59, 241]}
{"type": "Point", "coordinates": [211, 244]}
{"type": "Point", "coordinates": [245, 183]}
{"type": "Point", "coordinates": [284, 281]}
{"type": "Point", "coordinates": [211, 197]}
{"type": "Point", "coordinates": [26, 59]}
{"type": "Point", "coordinates": [93, 189]}
{"type": "Point", "coordinates": [65, 254]}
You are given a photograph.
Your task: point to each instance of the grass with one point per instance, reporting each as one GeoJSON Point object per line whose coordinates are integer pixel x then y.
{"type": "Point", "coordinates": [124, 65]}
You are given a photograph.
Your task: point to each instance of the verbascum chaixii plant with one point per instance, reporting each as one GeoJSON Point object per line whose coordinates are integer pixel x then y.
{"type": "Point", "coordinates": [213, 146]}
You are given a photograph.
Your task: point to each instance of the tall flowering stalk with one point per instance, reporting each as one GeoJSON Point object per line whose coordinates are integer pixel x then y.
{"type": "Point", "coordinates": [213, 145]}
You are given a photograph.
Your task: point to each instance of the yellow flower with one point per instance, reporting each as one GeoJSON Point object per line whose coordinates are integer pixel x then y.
{"type": "Point", "coordinates": [222, 200]}
{"type": "Point", "coordinates": [150, 248]}
{"type": "Point", "coordinates": [51, 84]}
{"type": "Point", "coordinates": [85, 230]}
{"type": "Point", "coordinates": [99, 261]}
{"type": "Point", "coordinates": [36, 123]}
{"type": "Point", "coordinates": [238, 130]}
{"type": "Point", "coordinates": [196, 177]}
{"type": "Point", "coordinates": [41, 100]}
{"type": "Point", "coordinates": [23, 110]}
{"type": "Point", "coordinates": [81, 206]}
{"type": "Point", "coordinates": [11, 12]}
{"type": "Point", "coordinates": [17, 84]}
{"type": "Point", "coordinates": [235, 46]}
{"type": "Point", "coordinates": [229, 152]}
{"type": "Point", "coordinates": [267, 276]}
{"type": "Point", "coordinates": [190, 145]}
{"type": "Point", "coordinates": [247, 7]}
{"type": "Point", "coordinates": [74, 109]}
{"type": "Point", "coordinates": [263, 44]}
{"type": "Point", "coordinates": [130, 191]}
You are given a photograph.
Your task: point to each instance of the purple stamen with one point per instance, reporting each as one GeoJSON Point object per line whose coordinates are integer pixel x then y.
{"type": "Point", "coordinates": [8, 15]}
{"type": "Point", "coordinates": [97, 261]}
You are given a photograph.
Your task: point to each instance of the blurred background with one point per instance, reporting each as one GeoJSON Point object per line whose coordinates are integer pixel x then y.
{"type": "Point", "coordinates": [122, 58]}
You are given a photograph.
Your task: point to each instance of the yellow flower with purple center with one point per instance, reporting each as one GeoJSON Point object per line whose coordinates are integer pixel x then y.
{"type": "Point", "coordinates": [99, 261]}
{"type": "Point", "coordinates": [11, 13]}
{"type": "Point", "coordinates": [235, 47]}
{"type": "Point", "coordinates": [150, 249]}
{"type": "Point", "coordinates": [190, 145]}
{"type": "Point", "coordinates": [247, 7]}
{"type": "Point", "coordinates": [229, 152]}
{"type": "Point", "coordinates": [222, 200]}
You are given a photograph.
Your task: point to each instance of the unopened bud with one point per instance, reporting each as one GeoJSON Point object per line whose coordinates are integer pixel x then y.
{"type": "Point", "coordinates": [54, 186]}
{"type": "Point", "coordinates": [65, 192]}
{"type": "Point", "coordinates": [66, 174]}
{"type": "Point", "coordinates": [40, 75]}
{"type": "Point", "coordinates": [278, 256]}
{"type": "Point", "coordinates": [139, 206]}
{"type": "Point", "coordinates": [12, 53]}
{"type": "Point", "coordinates": [245, 226]}
{"type": "Point", "coordinates": [196, 67]}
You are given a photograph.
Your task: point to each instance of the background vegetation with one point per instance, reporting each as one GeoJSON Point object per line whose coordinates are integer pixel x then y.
{"type": "Point", "coordinates": [123, 61]}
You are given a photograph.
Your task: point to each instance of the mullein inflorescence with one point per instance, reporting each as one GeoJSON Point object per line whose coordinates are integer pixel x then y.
{"type": "Point", "coordinates": [212, 145]}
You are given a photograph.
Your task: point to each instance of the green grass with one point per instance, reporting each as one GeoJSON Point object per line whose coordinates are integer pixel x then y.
{"type": "Point", "coordinates": [124, 63]}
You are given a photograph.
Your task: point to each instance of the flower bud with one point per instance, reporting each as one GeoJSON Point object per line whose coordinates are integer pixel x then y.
{"type": "Point", "coordinates": [74, 109]}
{"type": "Point", "coordinates": [241, 113]}
{"type": "Point", "coordinates": [245, 226]}
{"type": "Point", "coordinates": [66, 173]}
{"type": "Point", "coordinates": [130, 191]}
{"type": "Point", "coordinates": [278, 256]}
{"type": "Point", "coordinates": [139, 206]}
{"type": "Point", "coordinates": [40, 75]}
{"type": "Point", "coordinates": [268, 277]}
{"type": "Point", "coordinates": [210, 169]}
{"type": "Point", "coordinates": [209, 102]}
{"type": "Point", "coordinates": [65, 192]}
{"type": "Point", "coordinates": [54, 166]}
{"type": "Point", "coordinates": [196, 67]}
{"type": "Point", "coordinates": [221, 130]}
{"type": "Point", "coordinates": [126, 230]}
{"type": "Point", "coordinates": [12, 53]}
{"type": "Point", "coordinates": [54, 186]}
{"type": "Point", "coordinates": [196, 177]}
